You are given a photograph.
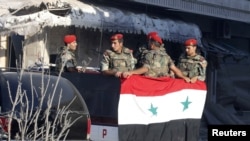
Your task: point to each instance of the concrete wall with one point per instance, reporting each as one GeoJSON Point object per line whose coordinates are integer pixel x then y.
{"type": "Point", "coordinates": [3, 51]}
{"type": "Point", "coordinates": [35, 49]}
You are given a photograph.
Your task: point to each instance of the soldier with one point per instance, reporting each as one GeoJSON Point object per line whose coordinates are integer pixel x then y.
{"type": "Point", "coordinates": [157, 63]}
{"type": "Point", "coordinates": [142, 50]}
{"type": "Point", "coordinates": [191, 63]}
{"type": "Point", "coordinates": [117, 59]}
{"type": "Point", "coordinates": [65, 60]}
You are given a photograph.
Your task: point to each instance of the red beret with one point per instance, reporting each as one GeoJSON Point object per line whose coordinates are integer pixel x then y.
{"type": "Point", "coordinates": [69, 38]}
{"type": "Point", "coordinates": [150, 34]}
{"type": "Point", "coordinates": [156, 38]}
{"type": "Point", "coordinates": [116, 37]}
{"type": "Point", "coordinates": [190, 42]}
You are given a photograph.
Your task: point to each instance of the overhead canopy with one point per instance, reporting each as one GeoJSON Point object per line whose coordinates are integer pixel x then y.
{"type": "Point", "coordinates": [30, 21]}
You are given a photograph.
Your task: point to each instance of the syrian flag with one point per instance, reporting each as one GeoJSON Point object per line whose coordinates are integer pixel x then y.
{"type": "Point", "coordinates": [160, 109]}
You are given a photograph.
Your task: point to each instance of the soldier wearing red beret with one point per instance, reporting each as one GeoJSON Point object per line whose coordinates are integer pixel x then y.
{"type": "Point", "coordinates": [190, 42]}
{"type": "Point", "coordinates": [191, 63]}
{"type": "Point", "coordinates": [156, 63]}
{"type": "Point", "coordinates": [66, 61]}
{"type": "Point", "coordinates": [117, 59]}
{"type": "Point", "coordinates": [150, 34]}
{"type": "Point", "coordinates": [142, 50]}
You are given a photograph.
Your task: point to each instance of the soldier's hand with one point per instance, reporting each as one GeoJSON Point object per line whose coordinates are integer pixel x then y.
{"type": "Point", "coordinates": [187, 79]}
{"type": "Point", "coordinates": [126, 74]}
{"type": "Point", "coordinates": [194, 79]}
{"type": "Point", "coordinates": [79, 70]}
{"type": "Point", "coordinates": [118, 74]}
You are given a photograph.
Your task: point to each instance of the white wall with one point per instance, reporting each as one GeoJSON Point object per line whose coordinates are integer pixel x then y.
{"type": "Point", "coordinates": [3, 51]}
{"type": "Point", "coordinates": [34, 49]}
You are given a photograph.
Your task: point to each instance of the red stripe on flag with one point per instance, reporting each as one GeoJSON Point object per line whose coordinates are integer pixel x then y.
{"type": "Point", "coordinates": [146, 86]}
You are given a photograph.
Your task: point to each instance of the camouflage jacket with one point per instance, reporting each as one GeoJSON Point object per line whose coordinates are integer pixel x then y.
{"type": "Point", "coordinates": [65, 59]}
{"type": "Point", "coordinates": [158, 62]}
{"type": "Point", "coordinates": [193, 66]}
{"type": "Point", "coordinates": [141, 52]}
{"type": "Point", "coordinates": [118, 61]}
{"type": "Point", "coordinates": [140, 55]}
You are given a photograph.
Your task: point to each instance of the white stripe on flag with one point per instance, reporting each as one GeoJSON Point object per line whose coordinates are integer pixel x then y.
{"type": "Point", "coordinates": [183, 104]}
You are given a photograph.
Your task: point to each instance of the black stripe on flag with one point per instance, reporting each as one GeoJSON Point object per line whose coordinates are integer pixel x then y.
{"type": "Point", "coordinates": [175, 130]}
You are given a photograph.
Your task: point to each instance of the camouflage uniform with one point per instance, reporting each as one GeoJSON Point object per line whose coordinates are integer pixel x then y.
{"type": "Point", "coordinates": [67, 58]}
{"type": "Point", "coordinates": [193, 66]}
{"type": "Point", "coordinates": [140, 55]}
{"type": "Point", "coordinates": [118, 61]}
{"type": "Point", "coordinates": [158, 62]}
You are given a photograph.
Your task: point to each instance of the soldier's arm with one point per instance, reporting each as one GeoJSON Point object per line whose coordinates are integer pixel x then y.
{"type": "Point", "coordinates": [69, 64]}
{"type": "Point", "coordinates": [178, 73]}
{"type": "Point", "coordinates": [105, 68]}
{"type": "Point", "coordinates": [141, 70]}
{"type": "Point", "coordinates": [109, 72]}
{"type": "Point", "coordinates": [176, 70]}
{"type": "Point", "coordinates": [202, 70]}
{"type": "Point", "coordinates": [72, 69]}
{"type": "Point", "coordinates": [146, 65]}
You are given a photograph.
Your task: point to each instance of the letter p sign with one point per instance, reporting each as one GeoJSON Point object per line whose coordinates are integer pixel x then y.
{"type": "Point", "coordinates": [104, 132]}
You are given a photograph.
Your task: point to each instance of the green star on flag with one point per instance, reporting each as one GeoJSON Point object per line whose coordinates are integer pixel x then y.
{"type": "Point", "coordinates": [153, 110]}
{"type": "Point", "coordinates": [185, 104]}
